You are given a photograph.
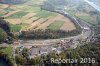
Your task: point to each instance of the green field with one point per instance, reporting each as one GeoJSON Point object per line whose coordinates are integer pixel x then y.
{"type": "Point", "coordinates": [56, 25]}
{"type": "Point", "coordinates": [39, 13]}
{"type": "Point", "coordinates": [71, 10]}
{"type": "Point", "coordinates": [44, 14]}
{"type": "Point", "coordinates": [2, 13]}
{"type": "Point", "coordinates": [15, 28]}
{"type": "Point", "coordinates": [75, 10]}
{"type": "Point", "coordinates": [18, 14]}
{"type": "Point", "coordinates": [7, 51]}
{"type": "Point", "coordinates": [8, 9]}
{"type": "Point", "coordinates": [90, 19]}
{"type": "Point", "coordinates": [32, 9]}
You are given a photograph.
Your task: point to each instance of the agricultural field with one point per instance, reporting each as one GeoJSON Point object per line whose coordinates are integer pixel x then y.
{"type": "Point", "coordinates": [56, 25]}
{"type": "Point", "coordinates": [31, 17]}
{"type": "Point", "coordinates": [44, 14]}
{"type": "Point", "coordinates": [8, 9]}
{"type": "Point", "coordinates": [18, 14]}
{"type": "Point", "coordinates": [87, 14]}
{"type": "Point", "coordinates": [1, 14]}
{"type": "Point", "coordinates": [62, 23]}
{"type": "Point", "coordinates": [90, 19]}
{"type": "Point", "coordinates": [3, 6]}
{"type": "Point", "coordinates": [15, 28]}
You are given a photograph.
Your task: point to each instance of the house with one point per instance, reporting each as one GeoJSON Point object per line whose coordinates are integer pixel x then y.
{"type": "Point", "coordinates": [45, 50]}
{"type": "Point", "coordinates": [17, 42]}
{"type": "Point", "coordinates": [4, 45]}
{"type": "Point", "coordinates": [34, 52]}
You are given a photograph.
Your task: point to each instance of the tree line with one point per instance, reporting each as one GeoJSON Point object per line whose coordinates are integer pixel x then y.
{"type": "Point", "coordinates": [47, 34]}
{"type": "Point", "coordinates": [5, 32]}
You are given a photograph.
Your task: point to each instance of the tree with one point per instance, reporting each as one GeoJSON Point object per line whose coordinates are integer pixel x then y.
{"type": "Point", "coordinates": [98, 18]}
{"type": "Point", "coordinates": [6, 58]}
{"type": "Point", "coordinates": [20, 60]}
{"type": "Point", "coordinates": [4, 25]}
{"type": "Point", "coordinates": [3, 35]}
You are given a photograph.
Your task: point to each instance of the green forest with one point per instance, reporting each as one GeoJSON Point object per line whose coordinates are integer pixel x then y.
{"type": "Point", "coordinates": [5, 32]}
{"type": "Point", "coordinates": [47, 34]}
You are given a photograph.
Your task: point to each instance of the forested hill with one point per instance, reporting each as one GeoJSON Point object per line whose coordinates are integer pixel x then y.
{"type": "Point", "coordinates": [5, 35]}
{"type": "Point", "coordinates": [4, 25]}
{"type": "Point", "coordinates": [12, 1]}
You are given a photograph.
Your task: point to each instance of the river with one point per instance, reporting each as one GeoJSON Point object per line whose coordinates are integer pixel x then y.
{"type": "Point", "coordinates": [3, 62]}
{"type": "Point", "coordinates": [93, 5]}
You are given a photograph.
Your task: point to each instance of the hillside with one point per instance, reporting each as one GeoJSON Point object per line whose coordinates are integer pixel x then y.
{"type": "Point", "coordinates": [95, 1]}
{"type": "Point", "coordinates": [12, 1]}
{"type": "Point", "coordinates": [5, 34]}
